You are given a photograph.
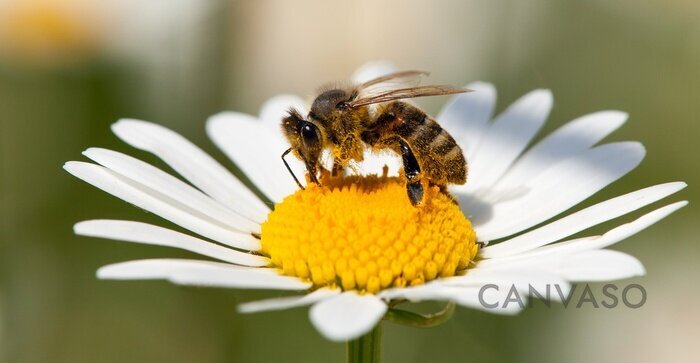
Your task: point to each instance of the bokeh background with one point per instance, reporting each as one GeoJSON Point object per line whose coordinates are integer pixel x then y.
{"type": "Point", "coordinates": [70, 68]}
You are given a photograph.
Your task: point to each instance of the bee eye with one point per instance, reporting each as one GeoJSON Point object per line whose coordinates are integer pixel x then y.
{"type": "Point", "coordinates": [309, 134]}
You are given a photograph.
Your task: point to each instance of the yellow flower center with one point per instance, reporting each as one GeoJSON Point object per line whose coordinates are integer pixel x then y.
{"type": "Point", "coordinates": [362, 233]}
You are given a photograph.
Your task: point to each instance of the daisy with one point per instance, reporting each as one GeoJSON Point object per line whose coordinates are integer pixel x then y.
{"type": "Point", "coordinates": [355, 247]}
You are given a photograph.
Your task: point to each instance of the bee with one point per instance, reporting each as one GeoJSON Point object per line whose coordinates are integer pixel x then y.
{"type": "Point", "coordinates": [349, 119]}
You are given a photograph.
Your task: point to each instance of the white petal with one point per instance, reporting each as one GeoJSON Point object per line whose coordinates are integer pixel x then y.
{"type": "Point", "coordinates": [611, 237]}
{"type": "Point", "coordinates": [565, 259]}
{"type": "Point", "coordinates": [591, 265]}
{"type": "Point", "coordinates": [170, 186]}
{"type": "Point", "coordinates": [569, 140]}
{"type": "Point", "coordinates": [466, 116]}
{"type": "Point", "coordinates": [274, 109]}
{"type": "Point", "coordinates": [523, 279]}
{"type": "Point", "coordinates": [598, 265]}
{"type": "Point", "coordinates": [194, 164]}
{"type": "Point", "coordinates": [287, 302]}
{"type": "Point", "coordinates": [507, 137]}
{"type": "Point", "coordinates": [429, 291]}
{"type": "Point", "coordinates": [571, 181]}
{"type": "Point", "coordinates": [149, 234]}
{"type": "Point", "coordinates": [154, 202]}
{"type": "Point", "coordinates": [372, 70]}
{"type": "Point", "coordinates": [257, 151]}
{"type": "Point", "coordinates": [481, 298]}
{"type": "Point", "coordinates": [581, 220]}
{"type": "Point", "coordinates": [347, 316]}
{"type": "Point", "coordinates": [271, 114]}
{"type": "Point", "coordinates": [477, 297]}
{"type": "Point", "coordinates": [201, 273]}
{"type": "Point", "coordinates": [374, 163]}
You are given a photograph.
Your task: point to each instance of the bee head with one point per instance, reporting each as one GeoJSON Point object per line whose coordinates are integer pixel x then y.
{"type": "Point", "coordinates": [306, 139]}
{"type": "Point", "coordinates": [329, 103]}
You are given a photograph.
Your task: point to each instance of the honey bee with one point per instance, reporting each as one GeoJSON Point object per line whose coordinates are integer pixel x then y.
{"type": "Point", "coordinates": [348, 119]}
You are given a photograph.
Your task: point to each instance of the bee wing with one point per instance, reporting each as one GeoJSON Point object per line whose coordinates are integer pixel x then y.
{"type": "Point", "coordinates": [389, 82]}
{"type": "Point", "coordinates": [402, 77]}
{"type": "Point", "coordinates": [403, 93]}
{"type": "Point", "coordinates": [355, 167]}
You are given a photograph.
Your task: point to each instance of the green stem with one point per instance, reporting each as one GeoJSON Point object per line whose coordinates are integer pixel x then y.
{"type": "Point", "coordinates": [367, 348]}
{"type": "Point", "coordinates": [420, 321]}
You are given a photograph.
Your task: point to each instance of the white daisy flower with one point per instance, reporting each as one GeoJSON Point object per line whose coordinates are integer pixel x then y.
{"type": "Point", "coordinates": [356, 247]}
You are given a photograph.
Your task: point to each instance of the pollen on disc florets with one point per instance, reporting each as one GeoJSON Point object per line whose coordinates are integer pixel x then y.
{"type": "Point", "coordinates": [362, 233]}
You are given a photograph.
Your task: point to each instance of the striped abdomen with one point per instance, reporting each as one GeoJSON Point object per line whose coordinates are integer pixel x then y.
{"type": "Point", "coordinates": [440, 158]}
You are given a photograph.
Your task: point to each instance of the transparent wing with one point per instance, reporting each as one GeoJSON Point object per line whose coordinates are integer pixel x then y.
{"type": "Point", "coordinates": [403, 93]}
{"type": "Point", "coordinates": [394, 80]}
{"type": "Point", "coordinates": [389, 82]}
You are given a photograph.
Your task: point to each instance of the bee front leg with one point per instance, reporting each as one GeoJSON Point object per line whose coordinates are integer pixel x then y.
{"type": "Point", "coordinates": [311, 168]}
{"type": "Point", "coordinates": [411, 168]}
{"type": "Point", "coordinates": [338, 169]}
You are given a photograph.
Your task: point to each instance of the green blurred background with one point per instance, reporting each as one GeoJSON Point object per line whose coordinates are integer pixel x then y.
{"type": "Point", "coordinates": [68, 69]}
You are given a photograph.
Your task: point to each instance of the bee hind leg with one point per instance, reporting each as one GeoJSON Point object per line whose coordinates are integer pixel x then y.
{"type": "Point", "coordinates": [411, 168]}
{"type": "Point", "coordinates": [415, 192]}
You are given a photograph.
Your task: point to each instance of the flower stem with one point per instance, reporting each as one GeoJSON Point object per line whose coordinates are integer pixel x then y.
{"type": "Point", "coordinates": [367, 348]}
{"type": "Point", "coordinates": [420, 321]}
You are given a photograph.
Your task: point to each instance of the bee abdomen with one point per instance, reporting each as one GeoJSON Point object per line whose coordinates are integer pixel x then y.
{"type": "Point", "coordinates": [440, 157]}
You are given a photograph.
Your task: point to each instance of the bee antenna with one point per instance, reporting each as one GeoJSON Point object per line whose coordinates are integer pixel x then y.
{"type": "Point", "coordinates": [290, 169]}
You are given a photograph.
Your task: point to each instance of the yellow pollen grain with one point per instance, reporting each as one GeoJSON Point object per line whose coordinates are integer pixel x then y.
{"type": "Point", "coordinates": [363, 234]}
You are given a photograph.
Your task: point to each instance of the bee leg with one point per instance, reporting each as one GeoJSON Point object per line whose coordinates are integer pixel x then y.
{"type": "Point", "coordinates": [312, 173]}
{"type": "Point", "coordinates": [338, 169]}
{"type": "Point", "coordinates": [290, 169]}
{"type": "Point", "coordinates": [411, 168]}
{"type": "Point", "coordinates": [415, 192]}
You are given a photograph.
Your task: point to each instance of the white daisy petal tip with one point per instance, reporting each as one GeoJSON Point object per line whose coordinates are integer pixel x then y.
{"type": "Point", "coordinates": [75, 167]}
{"type": "Point", "coordinates": [287, 302]}
{"type": "Point", "coordinates": [616, 117]}
{"type": "Point", "coordinates": [482, 86]}
{"type": "Point", "coordinates": [540, 98]}
{"type": "Point", "coordinates": [602, 265]}
{"type": "Point", "coordinates": [138, 232]}
{"type": "Point", "coordinates": [228, 117]}
{"type": "Point", "coordinates": [640, 270]}
{"type": "Point", "coordinates": [201, 273]}
{"type": "Point", "coordinates": [506, 137]}
{"type": "Point", "coordinates": [114, 272]}
{"type": "Point", "coordinates": [545, 94]}
{"type": "Point", "coordinates": [347, 316]}
{"type": "Point", "coordinates": [223, 116]}
{"type": "Point", "coordinates": [82, 228]}
{"type": "Point", "coordinates": [634, 148]}
{"type": "Point", "coordinates": [591, 216]}
{"type": "Point", "coordinates": [481, 95]}
{"type": "Point", "coordinates": [485, 91]}
{"type": "Point", "coordinates": [123, 125]}
{"type": "Point", "coordinates": [682, 203]}
{"type": "Point", "coordinates": [276, 107]}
